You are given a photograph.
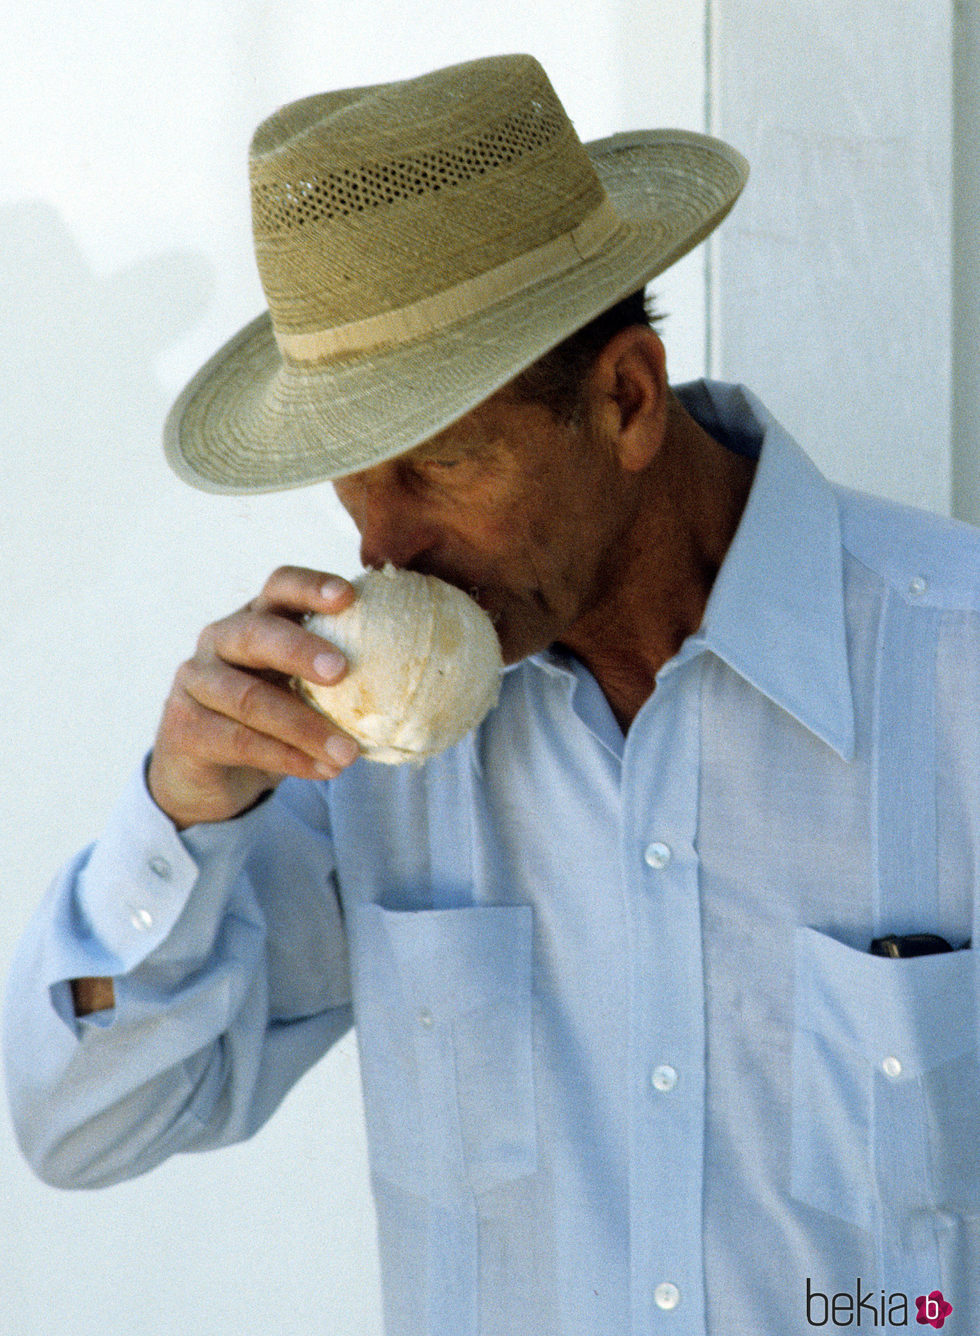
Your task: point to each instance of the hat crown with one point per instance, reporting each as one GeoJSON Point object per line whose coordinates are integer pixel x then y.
{"type": "Point", "coordinates": [371, 199]}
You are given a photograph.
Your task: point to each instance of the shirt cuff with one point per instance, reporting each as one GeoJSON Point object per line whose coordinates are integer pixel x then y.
{"type": "Point", "coordinates": [137, 879]}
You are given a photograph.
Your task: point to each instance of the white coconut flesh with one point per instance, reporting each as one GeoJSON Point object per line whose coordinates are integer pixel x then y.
{"type": "Point", "coordinates": [424, 666]}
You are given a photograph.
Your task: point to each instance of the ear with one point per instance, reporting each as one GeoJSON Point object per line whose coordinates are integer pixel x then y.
{"type": "Point", "coordinates": [628, 389]}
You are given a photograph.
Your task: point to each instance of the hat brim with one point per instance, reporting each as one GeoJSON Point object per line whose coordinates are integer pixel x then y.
{"type": "Point", "coordinates": [250, 422]}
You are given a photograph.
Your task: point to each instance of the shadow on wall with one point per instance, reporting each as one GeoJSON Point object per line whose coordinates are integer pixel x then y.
{"type": "Point", "coordinates": [81, 400]}
{"type": "Point", "coordinates": [89, 515]}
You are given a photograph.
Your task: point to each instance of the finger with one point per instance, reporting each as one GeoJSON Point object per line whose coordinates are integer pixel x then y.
{"type": "Point", "coordinates": [266, 709]}
{"type": "Point", "coordinates": [223, 741]}
{"type": "Point", "coordinates": [297, 589]}
{"type": "Point", "coordinates": [268, 642]}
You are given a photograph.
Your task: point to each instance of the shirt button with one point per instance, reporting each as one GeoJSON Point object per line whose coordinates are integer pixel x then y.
{"type": "Point", "coordinates": [657, 855]}
{"type": "Point", "coordinates": [160, 866]}
{"type": "Point", "coordinates": [141, 919]}
{"type": "Point", "coordinates": [426, 1018]}
{"type": "Point", "coordinates": [917, 586]}
{"type": "Point", "coordinates": [664, 1077]}
{"type": "Point", "coordinates": [892, 1068]}
{"type": "Point", "coordinates": [666, 1296]}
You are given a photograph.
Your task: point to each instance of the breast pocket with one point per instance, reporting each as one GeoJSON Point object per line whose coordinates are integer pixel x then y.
{"type": "Point", "coordinates": [886, 1082]}
{"type": "Point", "coordinates": [442, 1004]}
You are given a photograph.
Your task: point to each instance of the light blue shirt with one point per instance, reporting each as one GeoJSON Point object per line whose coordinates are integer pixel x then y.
{"type": "Point", "coordinates": [628, 1065]}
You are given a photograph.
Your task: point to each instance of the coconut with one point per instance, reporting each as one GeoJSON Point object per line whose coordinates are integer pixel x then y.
{"type": "Point", "coordinates": [424, 666]}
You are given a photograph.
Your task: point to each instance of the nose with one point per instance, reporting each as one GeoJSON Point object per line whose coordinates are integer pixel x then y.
{"type": "Point", "coordinates": [390, 520]}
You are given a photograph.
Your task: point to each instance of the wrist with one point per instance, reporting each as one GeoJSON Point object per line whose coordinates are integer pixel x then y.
{"type": "Point", "coordinates": [210, 805]}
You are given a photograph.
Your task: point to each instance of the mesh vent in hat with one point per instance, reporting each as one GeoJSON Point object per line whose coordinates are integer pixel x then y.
{"type": "Point", "coordinates": [327, 195]}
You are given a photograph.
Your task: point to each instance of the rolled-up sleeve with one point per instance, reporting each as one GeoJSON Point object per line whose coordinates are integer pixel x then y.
{"type": "Point", "coordinates": [226, 948]}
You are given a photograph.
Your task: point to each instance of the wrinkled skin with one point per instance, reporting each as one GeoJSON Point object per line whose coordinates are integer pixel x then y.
{"type": "Point", "coordinates": [508, 504]}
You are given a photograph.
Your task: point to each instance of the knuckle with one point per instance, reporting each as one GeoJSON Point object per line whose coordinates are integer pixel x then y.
{"type": "Point", "coordinates": [240, 741]}
{"type": "Point", "coordinates": [249, 697]}
{"type": "Point", "coordinates": [185, 724]}
{"type": "Point", "coordinates": [245, 644]}
{"type": "Point", "coordinates": [194, 719]}
{"type": "Point", "coordinates": [297, 643]}
{"type": "Point", "coordinates": [187, 673]}
{"type": "Point", "coordinates": [177, 712]}
{"type": "Point", "coordinates": [188, 687]}
{"type": "Point", "coordinates": [180, 683]}
{"type": "Point", "coordinates": [280, 577]}
{"type": "Point", "coordinates": [207, 640]}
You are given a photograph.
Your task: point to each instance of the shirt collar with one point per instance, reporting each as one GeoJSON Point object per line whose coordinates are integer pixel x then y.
{"type": "Point", "coordinates": [776, 611]}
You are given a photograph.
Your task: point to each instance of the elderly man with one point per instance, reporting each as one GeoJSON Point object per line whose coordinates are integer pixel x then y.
{"type": "Point", "coordinates": [662, 977]}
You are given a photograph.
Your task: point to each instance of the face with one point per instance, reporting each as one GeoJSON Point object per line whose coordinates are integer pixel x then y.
{"type": "Point", "coordinates": [516, 508]}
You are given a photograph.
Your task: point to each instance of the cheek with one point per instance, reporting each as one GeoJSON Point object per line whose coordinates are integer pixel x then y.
{"type": "Point", "coordinates": [483, 520]}
{"type": "Point", "coordinates": [564, 517]}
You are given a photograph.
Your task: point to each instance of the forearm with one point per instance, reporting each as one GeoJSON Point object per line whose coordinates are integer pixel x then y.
{"type": "Point", "coordinates": [181, 1060]}
{"type": "Point", "coordinates": [90, 995]}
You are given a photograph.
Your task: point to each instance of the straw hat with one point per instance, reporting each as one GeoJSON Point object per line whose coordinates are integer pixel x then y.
{"type": "Point", "coordinates": [419, 244]}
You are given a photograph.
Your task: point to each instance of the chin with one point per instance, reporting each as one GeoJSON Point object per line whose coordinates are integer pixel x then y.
{"type": "Point", "coordinates": [517, 641]}
{"type": "Point", "coordinates": [521, 628]}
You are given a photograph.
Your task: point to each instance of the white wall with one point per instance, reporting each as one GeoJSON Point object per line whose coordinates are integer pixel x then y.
{"type": "Point", "coordinates": [966, 261]}
{"type": "Point", "coordinates": [125, 259]}
{"type": "Point", "coordinates": [835, 276]}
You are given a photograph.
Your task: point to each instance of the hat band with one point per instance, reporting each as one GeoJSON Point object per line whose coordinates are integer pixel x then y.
{"type": "Point", "coordinates": [468, 298]}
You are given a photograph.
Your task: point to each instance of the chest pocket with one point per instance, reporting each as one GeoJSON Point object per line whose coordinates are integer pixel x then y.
{"type": "Point", "coordinates": [886, 1085]}
{"type": "Point", "coordinates": [886, 1070]}
{"type": "Point", "coordinates": [442, 1004]}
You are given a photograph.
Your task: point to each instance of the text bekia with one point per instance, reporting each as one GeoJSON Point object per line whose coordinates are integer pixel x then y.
{"type": "Point", "coordinates": [872, 1308]}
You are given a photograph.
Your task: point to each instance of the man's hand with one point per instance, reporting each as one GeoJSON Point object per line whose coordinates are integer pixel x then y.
{"type": "Point", "coordinates": [231, 727]}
